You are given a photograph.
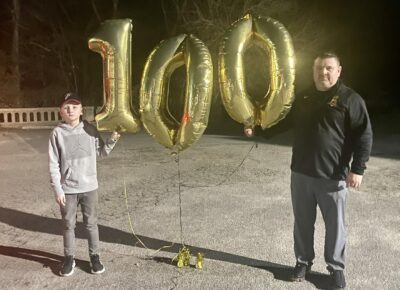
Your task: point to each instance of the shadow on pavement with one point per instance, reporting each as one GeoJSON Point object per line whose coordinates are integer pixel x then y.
{"type": "Point", "coordinates": [48, 260]}
{"type": "Point", "coordinates": [35, 223]}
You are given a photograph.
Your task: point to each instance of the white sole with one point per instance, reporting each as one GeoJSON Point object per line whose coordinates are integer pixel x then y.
{"type": "Point", "coordinates": [70, 273]}
{"type": "Point", "coordinates": [99, 272]}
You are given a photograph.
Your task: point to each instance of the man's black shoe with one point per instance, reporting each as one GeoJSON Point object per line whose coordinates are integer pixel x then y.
{"type": "Point", "coordinates": [300, 271]}
{"type": "Point", "coordinates": [338, 280]}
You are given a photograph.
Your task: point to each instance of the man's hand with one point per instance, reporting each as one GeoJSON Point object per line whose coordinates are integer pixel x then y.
{"type": "Point", "coordinates": [354, 180]}
{"type": "Point", "coordinates": [248, 132]}
{"type": "Point", "coordinates": [60, 199]}
{"type": "Point", "coordinates": [115, 136]}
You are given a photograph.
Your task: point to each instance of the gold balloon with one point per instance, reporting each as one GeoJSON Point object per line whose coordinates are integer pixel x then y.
{"type": "Point", "coordinates": [274, 39]}
{"type": "Point", "coordinates": [161, 63]}
{"type": "Point", "coordinates": [113, 42]}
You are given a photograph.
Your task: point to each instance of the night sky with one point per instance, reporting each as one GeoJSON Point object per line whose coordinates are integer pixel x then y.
{"type": "Point", "coordinates": [368, 48]}
{"type": "Point", "coordinates": [363, 33]}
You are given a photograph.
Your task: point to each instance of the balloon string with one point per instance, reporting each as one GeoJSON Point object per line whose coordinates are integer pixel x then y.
{"type": "Point", "coordinates": [255, 144]}
{"type": "Point", "coordinates": [133, 231]}
{"type": "Point", "coordinates": [180, 196]}
{"type": "Point", "coordinates": [127, 204]}
{"type": "Point", "coordinates": [130, 218]}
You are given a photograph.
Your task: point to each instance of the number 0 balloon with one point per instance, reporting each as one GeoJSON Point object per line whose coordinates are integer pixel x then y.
{"type": "Point", "coordinates": [272, 36]}
{"type": "Point", "coordinates": [162, 62]}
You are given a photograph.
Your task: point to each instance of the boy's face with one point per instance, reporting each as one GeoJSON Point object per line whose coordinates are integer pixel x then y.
{"type": "Point", "coordinates": [70, 113]}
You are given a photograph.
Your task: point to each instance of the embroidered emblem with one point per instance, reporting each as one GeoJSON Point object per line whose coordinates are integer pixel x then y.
{"type": "Point", "coordinates": [333, 101]}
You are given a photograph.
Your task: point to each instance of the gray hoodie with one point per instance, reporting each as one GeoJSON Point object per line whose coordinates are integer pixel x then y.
{"type": "Point", "coordinates": [73, 153]}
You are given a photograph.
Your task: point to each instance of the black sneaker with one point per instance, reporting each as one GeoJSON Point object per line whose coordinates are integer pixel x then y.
{"type": "Point", "coordinates": [97, 266]}
{"type": "Point", "coordinates": [338, 280]}
{"type": "Point", "coordinates": [300, 271]}
{"type": "Point", "coordinates": [68, 266]}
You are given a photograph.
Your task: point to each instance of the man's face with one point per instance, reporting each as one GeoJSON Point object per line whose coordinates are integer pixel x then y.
{"type": "Point", "coordinates": [326, 73]}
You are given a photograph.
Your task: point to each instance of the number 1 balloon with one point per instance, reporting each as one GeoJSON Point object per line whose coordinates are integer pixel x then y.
{"type": "Point", "coordinates": [113, 42]}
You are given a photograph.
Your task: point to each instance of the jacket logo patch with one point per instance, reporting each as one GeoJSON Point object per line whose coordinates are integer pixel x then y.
{"type": "Point", "coordinates": [333, 102]}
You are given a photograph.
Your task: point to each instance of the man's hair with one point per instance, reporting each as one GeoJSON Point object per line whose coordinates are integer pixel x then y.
{"type": "Point", "coordinates": [328, 54]}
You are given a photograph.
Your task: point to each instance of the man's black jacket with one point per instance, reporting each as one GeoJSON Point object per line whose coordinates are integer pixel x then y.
{"type": "Point", "coordinates": [330, 129]}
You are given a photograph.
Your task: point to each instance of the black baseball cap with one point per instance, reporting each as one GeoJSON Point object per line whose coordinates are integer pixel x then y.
{"type": "Point", "coordinates": [71, 98]}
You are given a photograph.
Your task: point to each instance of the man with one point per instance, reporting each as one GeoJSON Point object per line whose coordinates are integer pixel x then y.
{"type": "Point", "coordinates": [331, 128]}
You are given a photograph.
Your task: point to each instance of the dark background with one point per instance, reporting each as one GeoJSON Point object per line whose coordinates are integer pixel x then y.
{"type": "Point", "coordinates": [54, 57]}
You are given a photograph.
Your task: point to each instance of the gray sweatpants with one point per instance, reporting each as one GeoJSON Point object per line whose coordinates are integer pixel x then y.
{"type": "Point", "coordinates": [330, 196]}
{"type": "Point", "coordinates": [88, 202]}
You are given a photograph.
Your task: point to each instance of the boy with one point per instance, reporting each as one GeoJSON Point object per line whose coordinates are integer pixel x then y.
{"type": "Point", "coordinates": [73, 148]}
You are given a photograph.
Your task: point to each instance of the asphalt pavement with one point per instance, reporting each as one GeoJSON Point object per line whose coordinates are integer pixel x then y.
{"type": "Point", "coordinates": [227, 197]}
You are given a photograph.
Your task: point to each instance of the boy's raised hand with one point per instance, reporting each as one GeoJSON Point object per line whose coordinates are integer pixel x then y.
{"type": "Point", "coordinates": [115, 136]}
{"type": "Point", "coordinates": [248, 132]}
